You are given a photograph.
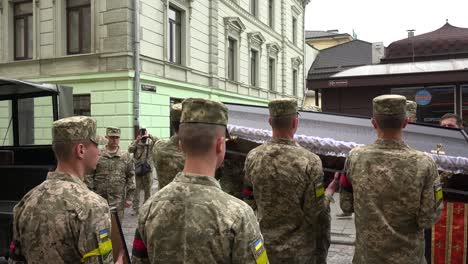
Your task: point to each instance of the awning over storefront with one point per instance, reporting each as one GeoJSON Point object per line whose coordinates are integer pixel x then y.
{"type": "Point", "coordinates": [397, 74]}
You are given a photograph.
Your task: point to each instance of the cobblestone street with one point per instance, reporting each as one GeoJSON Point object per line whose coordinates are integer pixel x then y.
{"type": "Point", "coordinates": [342, 230]}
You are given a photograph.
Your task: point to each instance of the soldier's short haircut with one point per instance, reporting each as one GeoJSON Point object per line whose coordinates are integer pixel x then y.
{"type": "Point", "coordinates": [198, 138]}
{"type": "Point", "coordinates": [175, 126]}
{"type": "Point", "coordinates": [390, 122]}
{"type": "Point", "coordinates": [282, 123]}
{"type": "Point", "coordinates": [63, 150]}
{"type": "Point", "coordinates": [451, 115]}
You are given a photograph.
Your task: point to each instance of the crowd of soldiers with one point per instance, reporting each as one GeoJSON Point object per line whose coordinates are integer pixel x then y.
{"type": "Point", "coordinates": [393, 190]}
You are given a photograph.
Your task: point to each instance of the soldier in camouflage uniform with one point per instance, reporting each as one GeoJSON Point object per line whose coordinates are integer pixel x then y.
{"type": "Point", "coordinates": [61, 220]}
{"type": "Point", "coordinates": [411, 111]}
{"type": "Point", "coordinates": [167, 157]}
{"type": "Point", "coordinates": [284, 183]}
{"type": "Point", "coordinates": [393, 190]}
{"type": "Point", "coordinates": [192, 220]}
{"type": "Point", "coordinates": [142, 149]}
{"type": "Point", "coordinates": [114, 178]}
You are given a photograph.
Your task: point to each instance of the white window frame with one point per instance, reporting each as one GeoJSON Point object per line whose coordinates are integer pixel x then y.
{"type": "Point", "coordinates": [185, 9]}
{"type": "Point", "coordinates": [273, 50]}
{"type": "Point", "coordinates": [7, 26]}
{"type": "Point", "coordinates": [255, 42]}
{"type": "Point", "coordinates": [60, 26]}
{"type": "Point", "coordinates": [233, 28]}
{"type": "Point", "coordinates": [254, 9]}
{"type": "Point", "coordinates": [271, 15]}
{"type": "Point", "coordinates": [295, 65]}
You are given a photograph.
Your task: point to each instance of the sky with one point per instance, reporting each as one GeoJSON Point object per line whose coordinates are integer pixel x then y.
{"type": "Point", "coordinates": [384, 21]}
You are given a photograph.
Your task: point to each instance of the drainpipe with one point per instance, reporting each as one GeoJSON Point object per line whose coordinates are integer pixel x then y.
{"type": "Point", "coordinates": [136, 67]}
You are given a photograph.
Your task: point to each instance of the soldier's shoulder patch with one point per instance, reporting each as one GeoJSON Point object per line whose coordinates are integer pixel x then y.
{"type": "Point", "coordinates": [319, 188]}
{"type": "Point", "coordinates": [438, 192]}
{"type": "Point", "coordinates": [259, 252]}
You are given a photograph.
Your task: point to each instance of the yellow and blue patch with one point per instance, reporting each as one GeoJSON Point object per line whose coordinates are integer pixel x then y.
{"type": "Point", "coordinates": [103, 234]}
{"type": "Point", "coordinates": [438, 192]}
{"type": "Point", "coordinates": [319, 189]}
{"type": "Point", "coordinates": [259, 252]}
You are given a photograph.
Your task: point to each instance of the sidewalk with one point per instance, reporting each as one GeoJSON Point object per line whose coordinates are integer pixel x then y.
{"type": "Point", "coordinates": [342, 229]}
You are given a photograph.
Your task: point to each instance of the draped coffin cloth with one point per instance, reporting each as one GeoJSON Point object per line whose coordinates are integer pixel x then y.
{"type": "Point", "coordinates": [446, 242]}
{"type": "Point", "coordinates": [332, 136]}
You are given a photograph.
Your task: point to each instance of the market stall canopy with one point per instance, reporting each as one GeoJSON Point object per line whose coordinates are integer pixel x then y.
{"type": "Point", "coordinates": [335, 135]}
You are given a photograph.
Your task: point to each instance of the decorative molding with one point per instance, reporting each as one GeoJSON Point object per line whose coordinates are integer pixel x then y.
{"type": "Point", "coordinates": [254, 20]}
{"type": "Point", "coordinates": [235, 24]}
{"type": "Point", "coordinates": [295, 10]}
{"type": "Point", "coordinates": [273, 49]}
{"type": "Point", "coordinates": [296, 62]}
{"type": "Point", "coordinates": [256, 38]}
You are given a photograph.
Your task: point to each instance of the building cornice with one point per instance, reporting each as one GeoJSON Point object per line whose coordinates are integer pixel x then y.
{"type": "Point", "coordinates": [252, 19]}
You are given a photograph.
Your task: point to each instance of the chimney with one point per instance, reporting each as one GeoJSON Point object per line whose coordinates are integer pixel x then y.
{"type": "Point", "coordinates": [378, 52]}
{"type": "Point", "coordinates": [410, 33]}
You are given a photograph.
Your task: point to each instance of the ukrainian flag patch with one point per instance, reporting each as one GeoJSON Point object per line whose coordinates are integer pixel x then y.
{"type": "Point", "coordinates": [319, 189]}
{"type": "Point", "coordinates": [259, 252]}
{"type": "Point", "coordinates": [438, 192]}
{"type": "Point", "coordinates": [103, 234]}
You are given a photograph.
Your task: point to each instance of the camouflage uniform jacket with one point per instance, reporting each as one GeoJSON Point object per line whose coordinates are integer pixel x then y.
{"type": "Point", "coordinates": [139, 149]}
{"type": "Point", "coordinates": [286, 181]}
{"type": "Point", "coordinates": [393, 195]}
{"type": "Point", "coordinates": [61, 220]}
{"type": "Point", "coordinates": [168, 159]}
{"type": "Point", "coordinates": [192, 220]}
{"type": "Point", "coordinates": [114, 178]}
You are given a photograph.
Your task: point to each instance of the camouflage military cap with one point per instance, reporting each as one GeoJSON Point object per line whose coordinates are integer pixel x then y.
{"type": "Point", "coordinates": [411, 108]}
{"type": "Point", "coordinates": [282, 107]}
{"type": "Point", "coordinates": [389, 105]}
{"type": "Point", "coordinates": [197, 110]}
{"type": "Point", "coordinates": [176, 112]}
{"type": "Point", "coordinates": [113, 132]}
{"type": "Point", "coordinates": [74, 128]}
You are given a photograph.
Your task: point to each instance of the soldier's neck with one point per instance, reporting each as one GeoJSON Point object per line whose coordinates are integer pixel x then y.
{"type": "Point", "coordinates": [75, 171]}
{"type": "Point", "coordinates": [390, 134]}
{"type": "Point", "coordinates": [283, 134]}
{"type": "Point", "coordinates": [197, 165]}
{"type": "Point", "coordinates": [112, 149]}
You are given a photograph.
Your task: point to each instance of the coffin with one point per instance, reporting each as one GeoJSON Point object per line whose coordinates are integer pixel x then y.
{"type": "Point", "coordinates": [332, 136]}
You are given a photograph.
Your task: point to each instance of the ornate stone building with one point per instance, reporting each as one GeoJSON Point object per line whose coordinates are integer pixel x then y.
{"type": "Point", "coordinates": [239, 51]}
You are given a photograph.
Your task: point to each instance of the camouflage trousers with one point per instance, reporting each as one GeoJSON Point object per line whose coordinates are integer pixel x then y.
{"type": "Point", "coordinates": [143, 183]}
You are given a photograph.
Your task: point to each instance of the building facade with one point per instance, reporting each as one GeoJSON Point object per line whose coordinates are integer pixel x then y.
{"type": "Point", "coordinates": [237, 51]}
{"type": "Point", "coordinates": [430, 69]}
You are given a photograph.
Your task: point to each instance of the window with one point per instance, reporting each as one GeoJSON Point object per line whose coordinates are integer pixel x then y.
{"type": "Point", "coordinates": [271, 74]}
{"type": "Point", "coordinates": [82, 104]}
{"type": "Point", "coordinates": [464, 106]}
{"type": "Point", "coordinates": [78, 26]}
{"type": "Point", "coordinates": [294, 82]}
{"type": "Point", "coordinates": [23, 27]}
{"type": "Point", "coordinates": [232, 59]}
{"type": "Point", "coordinates": [271, 12]}
{"type": "Point", "coordinates": [254, 7]}
{"type": "Point", "coordinates": [253, 67]}
{"type": "Point", "coordinates": [433, 102]}
{"type": "Point", "coordinates": [294, 30]}
{"type": "Point", "coordinates": [175, 36]}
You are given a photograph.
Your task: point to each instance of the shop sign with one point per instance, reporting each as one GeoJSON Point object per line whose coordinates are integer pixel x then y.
{"type": "Point", "coordinates": [423, 97]}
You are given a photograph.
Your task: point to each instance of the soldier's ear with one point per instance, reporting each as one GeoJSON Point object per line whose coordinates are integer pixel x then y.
{"type": "Point", "coordinates": [79, 150]}
{"type": "Point", "coordinates": [406, 122]}
{"type": "Point", "coordinates": [374, 123]}
{"type": "Point", "coordinates": [269, 121]}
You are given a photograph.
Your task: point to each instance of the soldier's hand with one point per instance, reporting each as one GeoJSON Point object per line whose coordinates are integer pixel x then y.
{"type": "Point", "coordinates": [128, 204]}
{"type": "Point", "coordinates": [333, 186]}
{"type": "Point", "coordinates": [138, 137]}
{"type": "Point", "coordinates": [120, 258]}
